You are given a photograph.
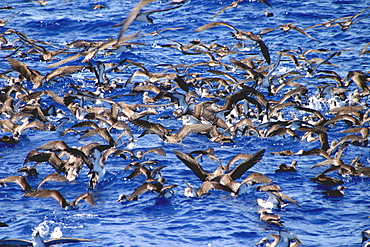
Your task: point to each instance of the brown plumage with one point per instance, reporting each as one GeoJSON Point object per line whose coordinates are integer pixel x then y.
{"type": "Point", "coordinates": [103, 132]}
{"type": "Point", "coordinates": [243, 187]}
{"type": "Point", "coordinates": [240, 35]}
{"type": "Point", "coordinates": [197, 169]}
{"type": "Point", "coordinates": [132, 16]}
{"type": "Point", "coordinates": [65, 70]}
{"type": "Point", "coordinates": [270, 218]}
{"type": "Point", "coordinates": [21, 181]}
{"type": "Point", "coordinates": [52, 177]}
{"type": "Point", "coordinates": [235, 4]}
{"type": "Point", "coordinates": [155, 186]}
{"type": "Point", "coordinates": [338, 192]}
{"type": "Point", "coordinates": [51, 158]}
{"type": "Point", "coordinates": [166, 134]}
{"type": "Point", "coordinates": [208, 152]}
{"type": "Point", "coordinates": [236, 173]}
{"type": "Point", "coordinates": [88, 197]}
{"type": "Point", "coordinates": [31, 171]}
{"type": "Point", "coordinates": [31, 75]}
{"type": "Point", "coordinates": [326, 180]}
{"type": "Point", "coordinates": [285, 168]}
{"type": "Point", "coordinates": [205, 188]}
{"type": "Point", "coordinates": [287, 27]}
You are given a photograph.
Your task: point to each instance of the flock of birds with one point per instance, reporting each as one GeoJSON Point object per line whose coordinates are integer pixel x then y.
{"type": "Point", "coordinates": [242, 98]}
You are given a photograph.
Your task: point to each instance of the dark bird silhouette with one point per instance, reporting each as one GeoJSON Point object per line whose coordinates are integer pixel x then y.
{"type": "Point", "coordinates": [338, 192]}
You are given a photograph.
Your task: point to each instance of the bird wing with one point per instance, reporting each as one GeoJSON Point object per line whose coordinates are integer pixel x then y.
{"type": "Point", "coordinates": [138, 171]}
{"type": "Point", "coordinates": [21, 181]}
{"type": "Point", "coordinates": [21, 68]}
{"type": "Point", "coordinates": [239, 170]}
{"type": "Point", "coordinates": [208, 185]}
{"type": "Point", "coordinates": [192, 164]}
{"type": "Point", "coordinates": [159, 151]}
{"type": "Point", "coordinates": [236, 158]}
{"type": "Point", "coordinates": [257, 177]}
{"type": "Point", "coordinates": [54, 146]}
{"type": "Point", "coordinates": [63, 70]}
{"type": "Point", "coordinates": [131, 17]}
{"type": "Point", "coordinates": [46, 194]}
{"type": "Point", "coordinates": [264, 50]}
{"type": "Point", "coordinates": [193, 128]}
{"type": "Point", "coordinates": [15, 242]}
{"type": "Point", "coordinates": [51, 158]}
{"type": "Point", "coordinates": [166, 189]}
{"type": "Point", "coordinates": [88, 197]}
{"type": "Point", "coordinates": [86, 124]}
{"type": "Point", "coordinates": [67, 240]}
{"type": "Point", "coordinates": [191, 188]}
{"type": "Point", "coordinates": [285, 197]}
{"type": "Point", "coordinates": [215, 24]}
{"type": "Point", "coordinates": [53, 177]}
{"type": "Point", "coordinates": [138, 191]}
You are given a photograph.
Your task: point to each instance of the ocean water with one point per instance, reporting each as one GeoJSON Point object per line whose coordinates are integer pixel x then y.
{"type": "Point", "coordinates": [218, 219]}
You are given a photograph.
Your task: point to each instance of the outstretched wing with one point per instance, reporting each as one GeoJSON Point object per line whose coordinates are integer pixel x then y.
{"type": "Point", "coordinates": [238, 171]}
{"type": "Point", "coordinates": [192, 164]}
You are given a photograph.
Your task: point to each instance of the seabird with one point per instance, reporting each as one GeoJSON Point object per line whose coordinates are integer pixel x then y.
{"type": "Point", "coordinates": [338, 192]}
{"type": "Point", "coordinates": [284, 239]}
{"type": "Point", "coordinates": [365, 238]}
{"type": "Point", "coordinates": [270, 218]}
{"type": "Point", "coordinates": [150, 185]}
{"type": "Point", "coordinates": [149, 174]}
{"type": "Point", "coordinates": [235, 4]}
{"type": "Point", "coordinates": [51, 158]}
{"type": "Point", "coordinates": [88, 197]}
{"type": "Point", "coordinates": [286, 28]}
{"type": "Point", "coordinates": [241, 35]}
{"type": "Point", "coordinates": [190, 162]}
{"type": "Point", "coordinates": [39, 242]}
{"type": "Point", "coordinates": [132, 16]}
{"type": "Point", "coordinates": [204, 189]}
{"type": "Point", "coordinates": [275, 200]}
{"type": "Point", "coordinates": [140, 154]}
{"type": "Point", "coordinates": [144, 16]}
{"type": "Point", "coordinates": [166, 134]}
{"type": "Point", "coordinates": [285, 168]}
{"type": "Point", "coordinates": [30, 171]}
{"type": "Point", "coordinates": [3, 22]}
{"type": "Point", "coordinates": [53, 177]}
{"type": "Point", "coordinates": [236, 173]}
{"type": "Point", "coordinates": [244, 186]}
{"type": "Point", "coordinates": [208, 152]}
{"type": "Point", "coordinates": [326, 180]}
{"type": "Point", "coordinates": [21, 181]}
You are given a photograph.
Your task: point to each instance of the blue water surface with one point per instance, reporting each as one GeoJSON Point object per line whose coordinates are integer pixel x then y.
{"type": "Point", "coordinates": [218, 219]}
